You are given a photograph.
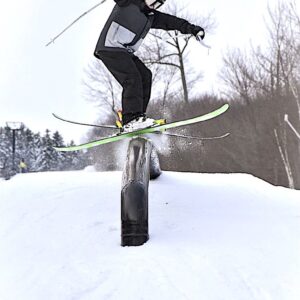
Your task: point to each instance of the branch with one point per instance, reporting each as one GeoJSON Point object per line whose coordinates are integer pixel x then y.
{"type": "Point", "coordinates": [159, 37]}
{"type": "Point", "coordinates": [286, 119]}
{"type": "Point", "coordinates": [165, 63]}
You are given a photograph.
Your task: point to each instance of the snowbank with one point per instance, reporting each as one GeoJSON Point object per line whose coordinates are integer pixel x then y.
{"type": "Point", "coordinates": [212, 236]}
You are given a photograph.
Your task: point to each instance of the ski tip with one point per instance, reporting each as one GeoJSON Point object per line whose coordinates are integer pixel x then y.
{"type": "Point", "coordinates": [64, 149]}
{"type": "Point", "coordinates": [57, 149]}
{"type": "Point", "coordinates": [225, 106]}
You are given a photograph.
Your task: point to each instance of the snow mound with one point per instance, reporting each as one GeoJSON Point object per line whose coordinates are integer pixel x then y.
{"type": "Point", "coordinates": [90, 169]}
{"type": "Point", "coordinates": [212, 236]}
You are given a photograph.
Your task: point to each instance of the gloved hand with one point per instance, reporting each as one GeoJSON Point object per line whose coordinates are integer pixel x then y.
{"type": "Point", "coordinates": [198, 31]}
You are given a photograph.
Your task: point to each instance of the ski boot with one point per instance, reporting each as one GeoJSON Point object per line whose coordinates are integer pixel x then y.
{"type": "Point", "coordinates": [139, 123]}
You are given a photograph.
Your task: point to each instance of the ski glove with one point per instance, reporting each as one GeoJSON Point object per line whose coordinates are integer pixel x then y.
{"type": "Point", "coordinates": [198, 31]}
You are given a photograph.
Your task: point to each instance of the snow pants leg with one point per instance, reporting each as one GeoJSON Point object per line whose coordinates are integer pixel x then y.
{"type": "Point", "coordinates": [134, 77]}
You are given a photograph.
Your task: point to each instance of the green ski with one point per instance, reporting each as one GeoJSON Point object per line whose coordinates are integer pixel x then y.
{"type": "Point", "coordinates": [157, 128]}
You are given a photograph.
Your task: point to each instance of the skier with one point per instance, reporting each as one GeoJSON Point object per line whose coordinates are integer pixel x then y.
{"type": "Point", "coordinates": [123, 33]}
{"type": "Point", "coordinates": [23, 166]}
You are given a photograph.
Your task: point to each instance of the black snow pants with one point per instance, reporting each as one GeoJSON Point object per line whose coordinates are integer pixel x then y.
{"type": "Point", "coordinates": [134, 77]}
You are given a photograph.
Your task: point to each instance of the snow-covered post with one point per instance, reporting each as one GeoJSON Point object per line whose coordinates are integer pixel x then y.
{"type": "Point", "coordinates": [140, 163]}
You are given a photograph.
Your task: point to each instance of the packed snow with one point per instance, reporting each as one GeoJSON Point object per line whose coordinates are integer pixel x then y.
{"type": "Point", "coordinates": [212, 236]}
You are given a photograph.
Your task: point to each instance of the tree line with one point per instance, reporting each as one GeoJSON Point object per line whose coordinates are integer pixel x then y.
{"type": "Point", "coordinates": [37, 152]}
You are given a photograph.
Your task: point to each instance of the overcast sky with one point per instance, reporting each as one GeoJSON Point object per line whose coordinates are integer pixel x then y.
{"type": "Point", "coordinates": [36, 80]}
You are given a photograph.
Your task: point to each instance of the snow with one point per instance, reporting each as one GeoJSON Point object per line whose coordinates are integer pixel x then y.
{"type": "Point", "coordinates": [212, 236]}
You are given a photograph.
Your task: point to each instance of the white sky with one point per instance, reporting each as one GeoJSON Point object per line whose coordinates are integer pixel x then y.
{"type": "Point", "coordinates": [36, 80]}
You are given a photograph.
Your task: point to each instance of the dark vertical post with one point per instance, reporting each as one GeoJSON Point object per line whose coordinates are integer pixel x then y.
{"type": "Point", "coordinates": [142, 164]}
{"type": "Point", "coordinates": [13, 149]}
{"type": "Point", "coordinates": [14, 126]}
{"type": "Point", "coordinates": [134, 194]}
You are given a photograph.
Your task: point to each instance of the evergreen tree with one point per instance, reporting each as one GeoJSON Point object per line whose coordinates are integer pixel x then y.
{"type": "Point", "coordinates": [24, 138]}
{"type": "Point", "coordinates": [5, 148]}
{"type": "Point", "coordinates": [59, 157]}
{"type": "Point", "coordinates": [74, 160]}
{"type": "Point", "coordinates": [47, 158]}
{"type": "Point", "coordinates": [37, 152]}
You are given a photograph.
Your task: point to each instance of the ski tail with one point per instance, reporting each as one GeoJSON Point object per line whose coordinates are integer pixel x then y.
{"type": "Point", "coordinates": [83, 124]}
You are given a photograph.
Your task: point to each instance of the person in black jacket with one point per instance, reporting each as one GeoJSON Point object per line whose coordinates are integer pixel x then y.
{"type": "Point", "coordinates": [123, 33]}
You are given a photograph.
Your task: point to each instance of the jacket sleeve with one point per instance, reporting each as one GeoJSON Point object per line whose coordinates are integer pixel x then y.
{"type": "Point", "coordinates": [168, 22]}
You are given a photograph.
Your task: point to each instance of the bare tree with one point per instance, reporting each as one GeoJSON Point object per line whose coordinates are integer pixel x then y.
{"type": "Point", "coordinates": [170, 49]}
{"type": "Point", "coordinates": [101, 88]}
{"type": "Point", "coordinates": [272, 72]}
{"type": "Point", "coordinates": [283, 61]}
{"type": "Point", "coordinates": [238, 75]}
{"type": "Point", "coordinates": [283, 149]}
{"type": "Point", "coordinates": [272, 75]}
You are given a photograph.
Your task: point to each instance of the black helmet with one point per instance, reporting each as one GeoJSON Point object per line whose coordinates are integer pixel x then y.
{"type": "Point", "coordinates": [155, 4]}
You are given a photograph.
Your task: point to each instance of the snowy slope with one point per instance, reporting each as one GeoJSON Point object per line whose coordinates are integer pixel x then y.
{"type": "Point", "coordinates": [212, 236]}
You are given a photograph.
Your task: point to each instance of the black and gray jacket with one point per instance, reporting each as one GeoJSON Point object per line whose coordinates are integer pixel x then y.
{"type": "Point", "coordinates": [129, 23]}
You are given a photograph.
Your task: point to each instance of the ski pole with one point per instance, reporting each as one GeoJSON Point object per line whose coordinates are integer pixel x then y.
{"type": "Point", "coordinates": [77, 19]}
